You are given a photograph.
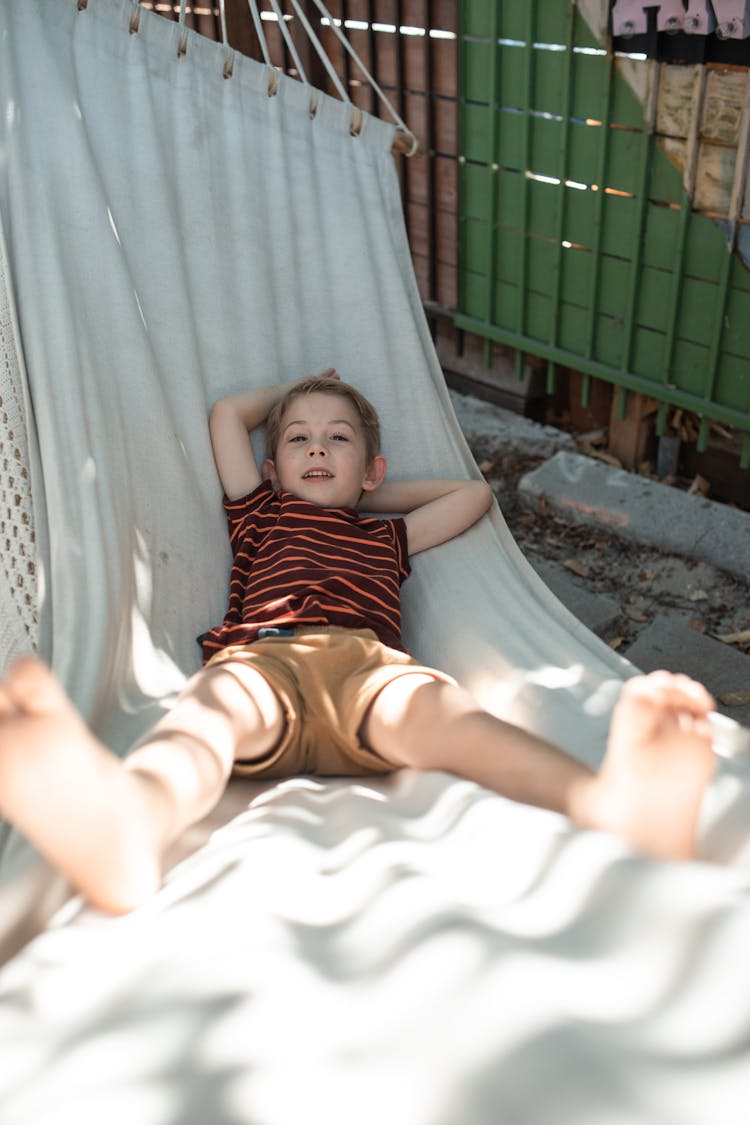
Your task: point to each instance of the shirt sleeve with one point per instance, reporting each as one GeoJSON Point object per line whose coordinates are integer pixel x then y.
{"type": "Point", "coordinates": [402, 547]}
{"type": "Point", "coordinates": [243, 514]}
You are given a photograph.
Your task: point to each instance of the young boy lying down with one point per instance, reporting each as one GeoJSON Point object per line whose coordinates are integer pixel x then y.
{"type": "Point", "coordinates": [307, 673]}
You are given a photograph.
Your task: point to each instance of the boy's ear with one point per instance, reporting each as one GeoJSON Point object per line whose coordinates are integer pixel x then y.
{"type": "Point", "coordinates": [374, 474]}
{"type": "Point", "coordinates": [268, 472]}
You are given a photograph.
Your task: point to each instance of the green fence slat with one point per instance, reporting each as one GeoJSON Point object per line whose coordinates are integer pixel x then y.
{"type": "Point", "coordinates": [542, 199]}
{"type": "Point", "coordinates": [563, 140]}
{"type": "Point", "coordinates": [477, 125]}
{"type": "Point", "coordinates": [542, 258]}
{"type": "Point", "coordinates": [475, 17]}
{"type": "Point", "coordinates": [553, 24]}
{"type": "Point", "coordinates": [490, 152]}
{"type": "Point", "coordinates": [510, 139]}
{"type": "Point", "coordinates": [660, 236]}
{"type": "Point", "coordinates": [577, 241]}
{"type": "Point", "coordinates": [510, 191]}
{"type": "Point", "coordinates": [605, 76]}
{"type": "Point", "coordinates": [547, 139]}
{"type": "Point", "coordinates": [583, 152]}
{"type": "Point", "coordinates": [512, 20]}
{"type": "Point", "coordinates": [736, 321]}
{"type": "Point", "coordinates": [624, 158]}
{"type": "Point", "coordinates": [511, 69]}
{"type": "Point", "coordinates": [583, 36]}
{"type": "Point", "coordinates": [718, 328]}
{"type": "Point", "coordinates": [576, 276]}
{"type": "Point", "coordinates": [591, 74]}
{"type": "Point", "coordinates": [549, 81]}
{"type": "Point", "coordinates": [701, 310]}
{"type": "Point", "coordinates": [705, 254]}
{"type": "Point", "coordinates": [733, 383]}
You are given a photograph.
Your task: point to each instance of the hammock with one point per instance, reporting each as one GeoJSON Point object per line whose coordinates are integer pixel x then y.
{"type": "Point", "coordinates": [172, 235]}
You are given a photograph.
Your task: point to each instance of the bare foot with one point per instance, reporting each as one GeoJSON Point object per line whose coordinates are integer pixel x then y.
{"type": "Point", "coordinates": [70, 796]}
{"type": "Point", "coordinates": [658, 764]}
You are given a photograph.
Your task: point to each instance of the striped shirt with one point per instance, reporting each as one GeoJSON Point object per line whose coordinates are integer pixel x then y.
{"type": "Point", "coordinates": [295, 563]}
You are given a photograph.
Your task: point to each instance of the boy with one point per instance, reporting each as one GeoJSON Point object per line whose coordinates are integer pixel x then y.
{"type": "Point", "coordinates": [307, 672]}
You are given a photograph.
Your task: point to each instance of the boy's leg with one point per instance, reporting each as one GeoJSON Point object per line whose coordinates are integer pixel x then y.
{"type": "Point", "coordinates": [658, 762]}
{"type": "Point", "coordinates": [106, 823]}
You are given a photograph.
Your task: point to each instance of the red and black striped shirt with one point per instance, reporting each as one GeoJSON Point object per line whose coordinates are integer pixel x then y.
{"type": "Point", "coordinates": [296, 563]}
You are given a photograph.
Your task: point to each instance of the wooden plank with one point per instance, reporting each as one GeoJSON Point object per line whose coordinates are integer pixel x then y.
{"type": "Point", "coordinates": [674, 107]}
{"type": "Point", "coordinates": [724, 100]}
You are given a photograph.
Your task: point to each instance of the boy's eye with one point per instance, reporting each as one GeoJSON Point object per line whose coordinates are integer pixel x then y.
{"type": "Point", "coordinates": [297, 437]}
{"type": "Point", "coordinates": [339, 437]}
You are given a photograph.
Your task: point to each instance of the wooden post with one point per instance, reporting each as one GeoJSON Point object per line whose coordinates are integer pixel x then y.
{"type": "Point", "coordinates": [631, 434]}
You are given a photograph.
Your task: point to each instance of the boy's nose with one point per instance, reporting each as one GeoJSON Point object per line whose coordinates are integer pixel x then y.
{"type": "Point", "coordinates": [316, 449]}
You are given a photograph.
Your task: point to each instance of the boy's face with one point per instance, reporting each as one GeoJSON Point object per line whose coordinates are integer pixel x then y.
{"type": "Point", "coordinates": [321, 453]}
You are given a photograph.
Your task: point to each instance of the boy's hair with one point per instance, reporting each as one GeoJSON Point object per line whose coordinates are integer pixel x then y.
{"type": "Point", "coordinates": [324, 384]}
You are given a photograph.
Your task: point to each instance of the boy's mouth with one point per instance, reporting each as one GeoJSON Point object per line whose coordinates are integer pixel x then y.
{"type": "Point", "coordinates": [317, 473]}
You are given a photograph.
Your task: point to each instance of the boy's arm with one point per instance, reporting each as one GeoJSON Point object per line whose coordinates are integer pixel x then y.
{"type": "Point", "coordinates": [435, 510]}
{"type": "Point", "coordinates": [230, 422]}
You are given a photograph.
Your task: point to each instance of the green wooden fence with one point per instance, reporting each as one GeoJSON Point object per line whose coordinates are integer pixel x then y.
{"type": "Point", "coordinates": [578, 242]}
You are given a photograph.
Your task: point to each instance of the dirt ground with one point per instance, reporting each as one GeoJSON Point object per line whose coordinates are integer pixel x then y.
{"type": "Point", "coordinates": [642, 581]}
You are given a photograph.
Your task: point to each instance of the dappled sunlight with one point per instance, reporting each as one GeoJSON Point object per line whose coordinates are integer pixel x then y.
{"type": "Point", "coordinates": [155, 673]}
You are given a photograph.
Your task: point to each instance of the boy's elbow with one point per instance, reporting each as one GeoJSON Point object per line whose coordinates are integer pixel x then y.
{"type": "Point", "coordinates": [484, 495]}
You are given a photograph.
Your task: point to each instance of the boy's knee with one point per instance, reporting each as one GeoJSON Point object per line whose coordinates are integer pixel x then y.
{"type": "Point", "coordinates": [244, 697]}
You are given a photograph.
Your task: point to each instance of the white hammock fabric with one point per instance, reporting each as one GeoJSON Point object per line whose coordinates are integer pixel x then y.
{"type": "Point", "coordinates": [414, 949]}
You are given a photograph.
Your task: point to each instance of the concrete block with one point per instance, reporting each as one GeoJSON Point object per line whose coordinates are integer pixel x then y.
{"type": "Point", "coordinates": [596, 611]}
{"type": "Point", "coordinates": [669, 643]}
{"type": "Point", "coordinates": [594, 493]}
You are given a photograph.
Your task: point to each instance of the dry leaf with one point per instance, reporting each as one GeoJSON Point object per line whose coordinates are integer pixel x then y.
{"type": "Point", "coordinates": [577, 567]}
{"type": "Point", "coordinates": [735, 698]}
{"type": "Point", "coordinates": [599, 455]}
{"type": "Point", "coordinates": [636, 614]}
{"type": "Point", "coordinates": [697, 624]}
{"type": "Point", "coordinates": [699, 486]}
{"type": "Point", "coordinates": [698, 596]}
{"type": "Point", "coordinates": [742, 638]}
{"type": "Point", "coordinates": [616, 642]}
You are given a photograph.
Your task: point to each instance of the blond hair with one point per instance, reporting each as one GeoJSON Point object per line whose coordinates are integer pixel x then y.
{"type": "Point", "coordinates": [325, 384]}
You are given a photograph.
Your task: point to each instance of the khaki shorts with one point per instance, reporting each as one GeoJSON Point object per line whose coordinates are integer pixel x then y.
{"type": "Point", "coordinates": [325, 678]}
